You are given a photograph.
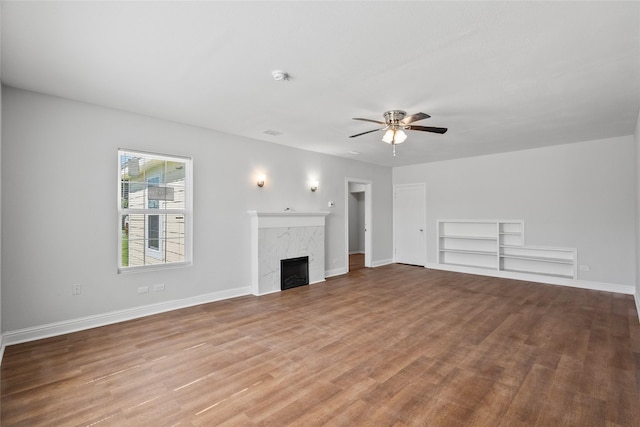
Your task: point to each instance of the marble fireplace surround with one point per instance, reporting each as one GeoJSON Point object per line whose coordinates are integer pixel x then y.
{"type": "Point", "coordinates": [282, 235]}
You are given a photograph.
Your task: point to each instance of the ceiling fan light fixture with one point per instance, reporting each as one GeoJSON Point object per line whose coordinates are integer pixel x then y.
{"type": "Point", "coordinates": [388, 136]}
{"type": "Point", "coordinates": [400, 136]}
{"type": "Point", "coordinates": [394, 136]}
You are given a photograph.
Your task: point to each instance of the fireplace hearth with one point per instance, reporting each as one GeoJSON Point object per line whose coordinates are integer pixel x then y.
{"type": "Point", "coordinates": [294, 272]}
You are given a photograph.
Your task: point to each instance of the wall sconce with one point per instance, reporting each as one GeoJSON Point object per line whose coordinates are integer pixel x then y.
{"type": "Point", "coordinates": [261, 179]}
{"type": "Point", "coordinates": [314, 186]}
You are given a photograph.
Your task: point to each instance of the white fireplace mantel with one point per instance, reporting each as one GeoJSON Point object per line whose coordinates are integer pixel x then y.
{"type": "Point", "coordinates": [282, 235]}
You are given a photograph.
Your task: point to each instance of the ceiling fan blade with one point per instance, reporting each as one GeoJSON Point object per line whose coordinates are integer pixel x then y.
{"type": "Point", "coordinates": [364, 133]}
{"type": "Point", "coordinates": [414, 118]}
{"type": "Point", "coordinates": [428, 129]}
{"type": "Point", "coordinates": [369, 120]}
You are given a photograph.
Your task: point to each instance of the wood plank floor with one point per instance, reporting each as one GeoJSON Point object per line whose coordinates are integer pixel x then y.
{"type": "Point", "coordinates": [356, 262]}
{"type": "Point", "coordinates": [391, 346]}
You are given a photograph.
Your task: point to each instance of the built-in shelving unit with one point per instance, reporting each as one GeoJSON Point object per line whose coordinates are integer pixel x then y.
{"type": "Point", "coordinates": [500, 245]}
{"type": "Point", "coordinates": [467, 243]}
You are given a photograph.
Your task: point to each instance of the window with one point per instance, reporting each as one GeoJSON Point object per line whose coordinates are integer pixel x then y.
{"type": "Point", "coordinates": [154, 204]}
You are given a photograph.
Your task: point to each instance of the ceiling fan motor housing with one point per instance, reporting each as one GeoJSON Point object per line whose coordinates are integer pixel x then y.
{"type": "Point", "coordinates": [393, 117]}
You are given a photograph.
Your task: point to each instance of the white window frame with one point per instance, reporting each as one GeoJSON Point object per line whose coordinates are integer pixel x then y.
{"type": "Point", "coordinates": [187, 214]}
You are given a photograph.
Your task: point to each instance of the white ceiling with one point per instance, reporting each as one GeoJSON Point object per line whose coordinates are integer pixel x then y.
{"type": "Point", "coordinates": [502, 76]}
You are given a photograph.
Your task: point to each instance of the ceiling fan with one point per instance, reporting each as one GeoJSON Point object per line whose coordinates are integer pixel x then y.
{"type": "Point", "coordinates": [395, 123]}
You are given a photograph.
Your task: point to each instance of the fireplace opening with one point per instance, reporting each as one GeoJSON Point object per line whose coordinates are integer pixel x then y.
{"type": "Point", "coordinates": [294, 272]}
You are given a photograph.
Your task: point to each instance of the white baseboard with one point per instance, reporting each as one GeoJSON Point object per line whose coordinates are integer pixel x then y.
{"type": "Point", "coordinates": [74, 325]}
{"type": "Point", "coordinates": [340, 271]}
{"type": "Point", "coordinates": [275, 291]}
{"type": "Point", "coordinates": [355, 252]}
{"type": "Point", "coordinates": [382, 262]}
{"type": "Point", "coordinates": [1, 349]}
{"type": "Point", "coordinates": [637, 298]}
{"type": "Point", "coordinates": [335, 272]}
{"type": "Point", "coordinates": [574, 283]}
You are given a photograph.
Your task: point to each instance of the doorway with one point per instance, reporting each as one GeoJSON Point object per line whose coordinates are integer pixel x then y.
{"type": "Point", "coordinates": [356, 226]}
{"type": "Point", "coordinates": [409, 216]}
{"type": "Point", "coordinates": [357, 223]}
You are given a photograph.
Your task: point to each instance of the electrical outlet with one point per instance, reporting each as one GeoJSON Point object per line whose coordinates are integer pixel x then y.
{"type": "Point", "coordinates": [584, 268]}
{"type": "Point", "coordinates": [158, 287]}
{"type": "Point", "coordinates": [143, 289]}
{"type": "Point", "coordinates": [76, 289]}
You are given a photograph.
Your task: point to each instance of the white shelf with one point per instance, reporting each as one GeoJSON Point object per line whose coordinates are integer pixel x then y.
{"type": "Point", "coordinates": [467, 265]}
{"type": "Point", "coordinates": [450, 236]}
{"type": "Point", "coordinates": [540, 248]}
{"type": "Point", "coordinates": [462, 251]}
{"type": "Point", "coordinates": [564, 276]}
{"type": "Point", "coordinates": [539, 258]}
{"type": "Point", "coordinates": [500, 245]}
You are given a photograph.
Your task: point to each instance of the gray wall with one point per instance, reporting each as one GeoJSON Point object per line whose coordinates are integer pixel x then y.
{"type": "Point", "coordinates": [356, 221]}
{"type": "Point", "coordinates": [575, 195]}
{"type": "Point", "coordinates": [637, 219]}
{"type": "Point", "coordinates": [361, 221]}
{"type": "Point", "coordinates": [59, 219]}
{"type": "Point", "coordinates": [1, 339]}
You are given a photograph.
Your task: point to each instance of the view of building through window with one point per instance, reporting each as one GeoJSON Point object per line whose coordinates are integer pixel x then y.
{"type": "Point", "coordinates": [154, 215]}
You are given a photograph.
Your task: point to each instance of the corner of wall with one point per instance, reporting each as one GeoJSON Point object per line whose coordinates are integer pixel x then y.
{"type": "Point", "coordinates": [637, 218]}
{"type": "Point", "coordinates": [1, 340]}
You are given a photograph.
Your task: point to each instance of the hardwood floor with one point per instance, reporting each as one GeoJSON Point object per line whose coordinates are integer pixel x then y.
{"type": "Point", "coordinates": [391, 346]}
{"type": "Point", "coordinates": [356, 262]}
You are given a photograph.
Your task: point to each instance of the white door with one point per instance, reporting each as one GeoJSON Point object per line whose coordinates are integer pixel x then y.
{"type": "Point", "coordinates": [409, 217]}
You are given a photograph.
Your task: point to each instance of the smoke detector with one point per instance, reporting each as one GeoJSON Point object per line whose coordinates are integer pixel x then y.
{"type": "Point", "coordinates": [279, 75]}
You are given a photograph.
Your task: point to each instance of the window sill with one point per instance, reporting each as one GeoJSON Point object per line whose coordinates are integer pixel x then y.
{"type": "Point", "coordinates": [147, 268]}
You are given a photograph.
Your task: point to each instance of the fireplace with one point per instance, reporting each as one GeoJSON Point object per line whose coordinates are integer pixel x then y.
{"type": "Point", "coordinates": [285, 235]}
{"type": "Point", "coordinates": [294, 272]}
